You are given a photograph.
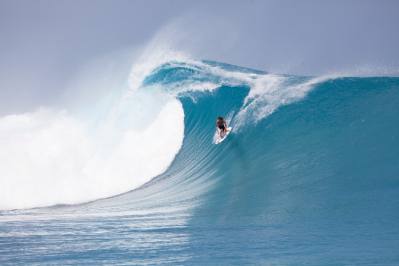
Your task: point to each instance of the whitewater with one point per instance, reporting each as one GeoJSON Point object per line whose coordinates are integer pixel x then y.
{"type": "Point", "coordinates": [309, 174]}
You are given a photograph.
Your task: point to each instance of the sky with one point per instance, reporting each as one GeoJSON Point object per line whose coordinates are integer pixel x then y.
{"type": "Point", "coordinates": [45, 44]}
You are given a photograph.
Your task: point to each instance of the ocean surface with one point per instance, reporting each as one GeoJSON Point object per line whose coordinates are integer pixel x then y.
{"type": "Point", "coordinates": [308, 176]}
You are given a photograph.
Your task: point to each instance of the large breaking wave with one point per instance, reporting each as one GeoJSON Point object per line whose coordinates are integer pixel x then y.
{"type": "Point", "coordinates": [309, 174]}
{"type": "Point", "coordinates": [51, 157]}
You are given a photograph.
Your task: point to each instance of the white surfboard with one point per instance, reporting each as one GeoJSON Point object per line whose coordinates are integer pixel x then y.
{"type": "Point", "coordinates": [218, 139]}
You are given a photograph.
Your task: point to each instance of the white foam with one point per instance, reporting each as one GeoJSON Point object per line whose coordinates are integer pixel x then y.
{"type": "Point", "coordinates": [49, 157]}
{"type": "Point", "coordinates": [269, 92]}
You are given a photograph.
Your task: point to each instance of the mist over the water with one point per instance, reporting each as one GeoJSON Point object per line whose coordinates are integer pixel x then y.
{"type": "Point", "coordinates": [43, 49]}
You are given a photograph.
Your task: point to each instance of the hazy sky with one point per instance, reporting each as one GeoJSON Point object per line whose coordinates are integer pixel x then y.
{"type": "Point", "coordinates": [44, 44]}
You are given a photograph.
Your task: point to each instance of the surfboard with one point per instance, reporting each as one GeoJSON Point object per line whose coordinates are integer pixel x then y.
{"type": "Point", "coordinates": [218, 139]}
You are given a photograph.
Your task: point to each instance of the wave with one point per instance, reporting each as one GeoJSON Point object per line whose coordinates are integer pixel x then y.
{"type": "Point", "coordinates": [308, 175]}
{"type": "Point", "coordinates": [51, 157]}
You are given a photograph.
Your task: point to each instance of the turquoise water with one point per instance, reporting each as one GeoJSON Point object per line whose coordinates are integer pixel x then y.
{"type": "Point", "coordinates": [312, 181]}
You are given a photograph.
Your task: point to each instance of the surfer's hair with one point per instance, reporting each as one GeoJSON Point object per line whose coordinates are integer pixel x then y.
{"type": "Point", "coordinates": [220, 118]}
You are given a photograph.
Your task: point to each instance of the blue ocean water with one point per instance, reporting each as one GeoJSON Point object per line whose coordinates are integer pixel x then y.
{"type": "Point", "coordinates": [309, 176]}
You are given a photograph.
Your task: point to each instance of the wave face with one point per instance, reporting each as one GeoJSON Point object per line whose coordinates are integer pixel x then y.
{"type": "Point", "coordinates": [309, 175]}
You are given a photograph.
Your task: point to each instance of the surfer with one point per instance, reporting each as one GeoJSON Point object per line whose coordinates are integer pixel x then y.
{"type": "Point", "coordinates": [221, 126]}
